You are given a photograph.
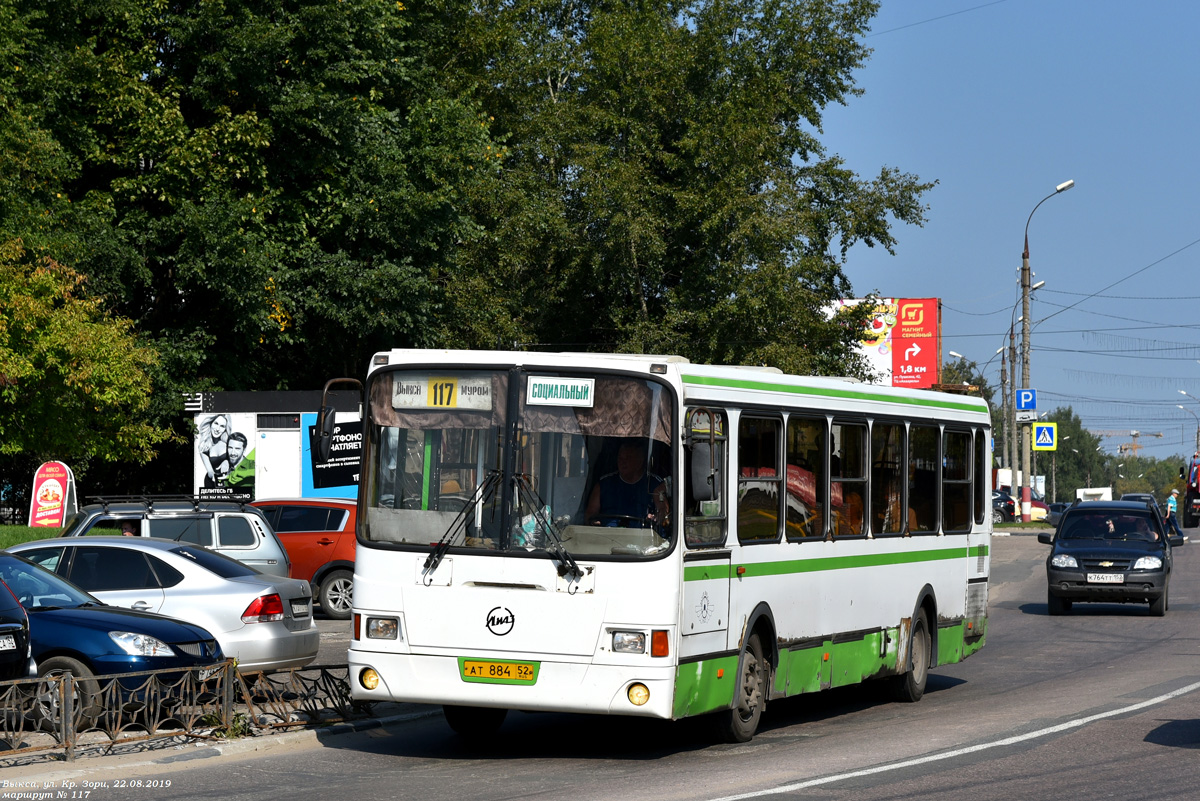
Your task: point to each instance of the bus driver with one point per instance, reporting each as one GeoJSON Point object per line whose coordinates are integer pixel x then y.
{"type": "Point", "coordinates": [632, 494]}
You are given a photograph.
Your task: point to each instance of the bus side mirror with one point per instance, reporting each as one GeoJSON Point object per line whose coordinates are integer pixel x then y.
{"type": "Point", "coordinates": [327, 417]}
{"type": "Point", "coordinates": [325, 426]}
{"type": "Point", "coordinates": [703, 478]}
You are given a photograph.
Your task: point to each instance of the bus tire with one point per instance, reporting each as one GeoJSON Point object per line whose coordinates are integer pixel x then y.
{"type": "Point", "coordinates": [738, 724]}
{"type": "Point", "coordinates": [909, 686]}
{"type": "Point", "coordinates": [337, 594]}
{"type": "Point", "coordinates": [471, 721]}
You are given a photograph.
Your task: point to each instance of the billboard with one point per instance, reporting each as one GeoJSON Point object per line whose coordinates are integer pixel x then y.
{"type": "Point", "coordinates": [901, 341]}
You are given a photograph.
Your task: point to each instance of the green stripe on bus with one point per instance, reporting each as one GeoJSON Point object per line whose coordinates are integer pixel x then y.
{"type": "Point", "coordinates": [825, 392]}
{"type": "Point", "coordinates": [782, 568]}
{"type": "Point", "coordinates": [977, 550]}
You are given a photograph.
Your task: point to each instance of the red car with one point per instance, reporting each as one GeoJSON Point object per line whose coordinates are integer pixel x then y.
{"type": "Point", "coordinates": [318, 534]}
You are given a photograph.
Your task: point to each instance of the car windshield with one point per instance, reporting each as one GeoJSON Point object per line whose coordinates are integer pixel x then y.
{"type": "Point", "coordinates": [38, 588]}
{"type": "Point", "coordinates": [1136, 526]}
{"type": "Point", "coordinates": [589, 470]}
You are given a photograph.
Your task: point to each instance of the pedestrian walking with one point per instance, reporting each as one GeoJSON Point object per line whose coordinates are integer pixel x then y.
{"type": "Point", "coordinates": [1172, 508]}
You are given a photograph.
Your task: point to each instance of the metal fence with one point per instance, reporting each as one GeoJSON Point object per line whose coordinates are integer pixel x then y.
{"type": "Point", "coordinates": [63, 717]}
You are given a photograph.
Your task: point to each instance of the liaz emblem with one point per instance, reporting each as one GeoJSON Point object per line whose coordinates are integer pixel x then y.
{"type": "Point", "coordinates": [500, 621]}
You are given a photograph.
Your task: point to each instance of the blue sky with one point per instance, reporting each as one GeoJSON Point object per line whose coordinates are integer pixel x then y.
{"type": "Point", "coordinates": [1001, 101]}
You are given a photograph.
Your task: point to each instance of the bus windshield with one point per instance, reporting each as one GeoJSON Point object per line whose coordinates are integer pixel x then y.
{"type": "Point", "coordinates": [587, 467]}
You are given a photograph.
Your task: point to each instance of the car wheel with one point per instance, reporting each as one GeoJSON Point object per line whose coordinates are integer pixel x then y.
{"type": "Point", "coordinates": [85, 700]}
{"type": "Point", "coordinates": [1158, 606]}
{"type": "Point", "coordinates": [910, 685]}
{"type": "Point", "coordinates": [997, 516]}
{"type": "Point", "coordinates": [337, 594]}
{"type": "Point", "coordinates": [472, 721]}
{"type": "Point", "coordinates": [738, 725]}
{"type": "Point", "coordinates": [1056, 605]}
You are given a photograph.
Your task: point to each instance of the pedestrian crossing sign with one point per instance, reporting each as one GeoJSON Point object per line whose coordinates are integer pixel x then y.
{"type": "Point", "coordinates": [1045, 436]}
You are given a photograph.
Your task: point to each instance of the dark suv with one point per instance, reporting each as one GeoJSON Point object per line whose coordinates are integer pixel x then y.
{"type": "Point", "coordinates": [1109, 552]}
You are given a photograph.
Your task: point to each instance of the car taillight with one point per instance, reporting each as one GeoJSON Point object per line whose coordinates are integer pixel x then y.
{"type": "Point", "coordinates": [263, 609]}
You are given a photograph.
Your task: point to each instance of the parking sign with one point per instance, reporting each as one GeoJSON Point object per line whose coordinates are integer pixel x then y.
{"type": "Point", "coordinates": [1026, 399]}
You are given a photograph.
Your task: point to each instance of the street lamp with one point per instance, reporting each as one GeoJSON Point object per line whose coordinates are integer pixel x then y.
{"type": "Point", "coordinates": [1026, 275]}
{"type": "Point", "coordinates": [1193, 414]}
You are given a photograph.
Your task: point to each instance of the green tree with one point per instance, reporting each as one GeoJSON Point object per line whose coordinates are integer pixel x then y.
{"type": "Point", "coordinates": [1078, 462]}
{"type": "Point", "coordinates": [269, 189]}
{"type": "Point", "coordinates": [663, 188]}
{"type": "Point", "coordinates": [74, 381]}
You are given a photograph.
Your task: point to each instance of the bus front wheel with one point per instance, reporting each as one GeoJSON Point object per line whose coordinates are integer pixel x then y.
{"type": "Point", "coordinates": [471, 721]}
{"type": "Point", "coordinates": [738, 725]}
{"type": "Point", "coordinates": [910, 685]}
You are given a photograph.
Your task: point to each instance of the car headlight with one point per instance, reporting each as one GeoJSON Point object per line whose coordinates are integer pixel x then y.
{"type": "Point", "coordinates": [136, 644]}
{"type": "Point", "coordinates": [629, 642]}
{"type": "Point", "coordinates": [1148, 563]}
{"type": "Point", "coordinates": [1063, 560]}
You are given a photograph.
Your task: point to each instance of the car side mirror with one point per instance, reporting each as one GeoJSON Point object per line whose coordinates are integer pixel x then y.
{"type": "Point", "coordinates": [1045, 539]}
{"type": "Point", "coordinates": [1175, 541]}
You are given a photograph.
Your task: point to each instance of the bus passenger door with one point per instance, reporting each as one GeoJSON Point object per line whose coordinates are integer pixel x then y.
{"type": "Point", "coordinates": [706, 562]}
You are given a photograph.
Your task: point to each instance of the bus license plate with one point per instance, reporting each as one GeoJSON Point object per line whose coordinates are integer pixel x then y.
{"type": "Point", "coordinates": [8, 642]}
{"type": "Point", "coordinates": [499, 672]}
{"type": "Point", "coordinates": [1106, 578]}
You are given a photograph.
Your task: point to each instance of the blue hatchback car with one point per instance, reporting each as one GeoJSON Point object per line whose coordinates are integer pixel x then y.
{"type": "Point", "coordinates": [72, 632]}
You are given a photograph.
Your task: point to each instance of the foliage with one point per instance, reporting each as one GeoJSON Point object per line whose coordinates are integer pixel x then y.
{"type": "Point", "coordinates": [73, 378]}
{"type": "Point", "coordinates": [662, 185]}
{"type": "Point", "coordinates": [266, 188]}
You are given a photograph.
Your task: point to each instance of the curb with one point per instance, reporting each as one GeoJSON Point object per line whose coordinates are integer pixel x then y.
{"type": "Point", "coordinates": [190, 752]}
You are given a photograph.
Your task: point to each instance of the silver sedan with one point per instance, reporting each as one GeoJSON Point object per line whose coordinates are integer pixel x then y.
{"type": "Point", "coordinates": [265, 622]}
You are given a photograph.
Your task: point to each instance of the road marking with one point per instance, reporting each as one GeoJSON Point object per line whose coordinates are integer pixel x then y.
{"type": "Point", "coordinates": [1033, 735]}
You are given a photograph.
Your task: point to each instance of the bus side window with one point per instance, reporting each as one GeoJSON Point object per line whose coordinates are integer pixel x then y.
{"type": "Point", "coordinates": [704, 465]}
{"type": "Point", "coordinates": [806, 482]}
{"type": "Point", "coordinates": [923, 478]}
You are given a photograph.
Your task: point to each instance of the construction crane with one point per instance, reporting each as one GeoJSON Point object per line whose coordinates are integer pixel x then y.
{"type": "Point", "coordinates": [1128, 447]}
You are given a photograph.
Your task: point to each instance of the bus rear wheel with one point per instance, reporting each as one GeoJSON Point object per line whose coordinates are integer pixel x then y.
{"type": "Point", "coordinates": [738, 725]}
{"type": "Point", "coordinates": [910, 685]}
{"type": "Point", "coordinates": [471, 721]}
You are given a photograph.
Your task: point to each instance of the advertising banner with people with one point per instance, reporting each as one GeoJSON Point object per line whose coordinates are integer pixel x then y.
{"type": "Point", "coordinates": [901, 342]}
{"type": "Point", "coordinates": [225, 456]}
{"type": "Point", "coordinates": [53, 496]}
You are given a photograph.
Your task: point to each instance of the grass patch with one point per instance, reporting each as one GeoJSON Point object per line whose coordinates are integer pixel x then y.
{"type": "Point", "coordinates": [14, 535]}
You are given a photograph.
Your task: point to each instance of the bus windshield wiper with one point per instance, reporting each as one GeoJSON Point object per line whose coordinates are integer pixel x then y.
{"type": "Point", "coordinates": [567, 566]}
{"type": "Point", "coordinates": [484, 491]}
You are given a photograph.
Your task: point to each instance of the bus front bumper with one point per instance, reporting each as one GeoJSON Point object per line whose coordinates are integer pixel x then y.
{"type": "Point", "coordinates": [560, 686]}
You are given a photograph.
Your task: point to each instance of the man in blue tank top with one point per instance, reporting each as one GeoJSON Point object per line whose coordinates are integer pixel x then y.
{"type": "Point", "coordinates": [631, 495]}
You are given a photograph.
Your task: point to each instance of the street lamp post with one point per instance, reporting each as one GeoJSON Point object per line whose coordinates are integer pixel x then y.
{"type": "Point", "coordinates": [1194, 415]}
{"type": "Point", "coordinates": [1025, 290]}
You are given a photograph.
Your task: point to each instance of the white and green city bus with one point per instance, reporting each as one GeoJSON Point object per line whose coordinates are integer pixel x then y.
{"type": "Point", "coordinates": [767, 535]}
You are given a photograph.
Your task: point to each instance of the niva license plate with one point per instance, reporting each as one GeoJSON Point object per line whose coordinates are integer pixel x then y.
{"type": "Point", "coordinates": [1106, 578]}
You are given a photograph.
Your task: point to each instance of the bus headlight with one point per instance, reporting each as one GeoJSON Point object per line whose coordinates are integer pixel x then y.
{"type": "Point", "coordinates": [629, 642]}
{"type": "Point", "coordinates": [368, 678]}
{"type": "Point", "coordinates": [383, 628]}
{"type": "Point", "coordinates": [639, 694]}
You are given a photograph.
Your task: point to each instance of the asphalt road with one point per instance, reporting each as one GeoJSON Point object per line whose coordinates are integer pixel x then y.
{"type": "Point", "coordinates": [1101, 703]}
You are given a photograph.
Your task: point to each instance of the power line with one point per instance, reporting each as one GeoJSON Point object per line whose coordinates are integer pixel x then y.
{"type": "Point", "coordinates": [934, 19]}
